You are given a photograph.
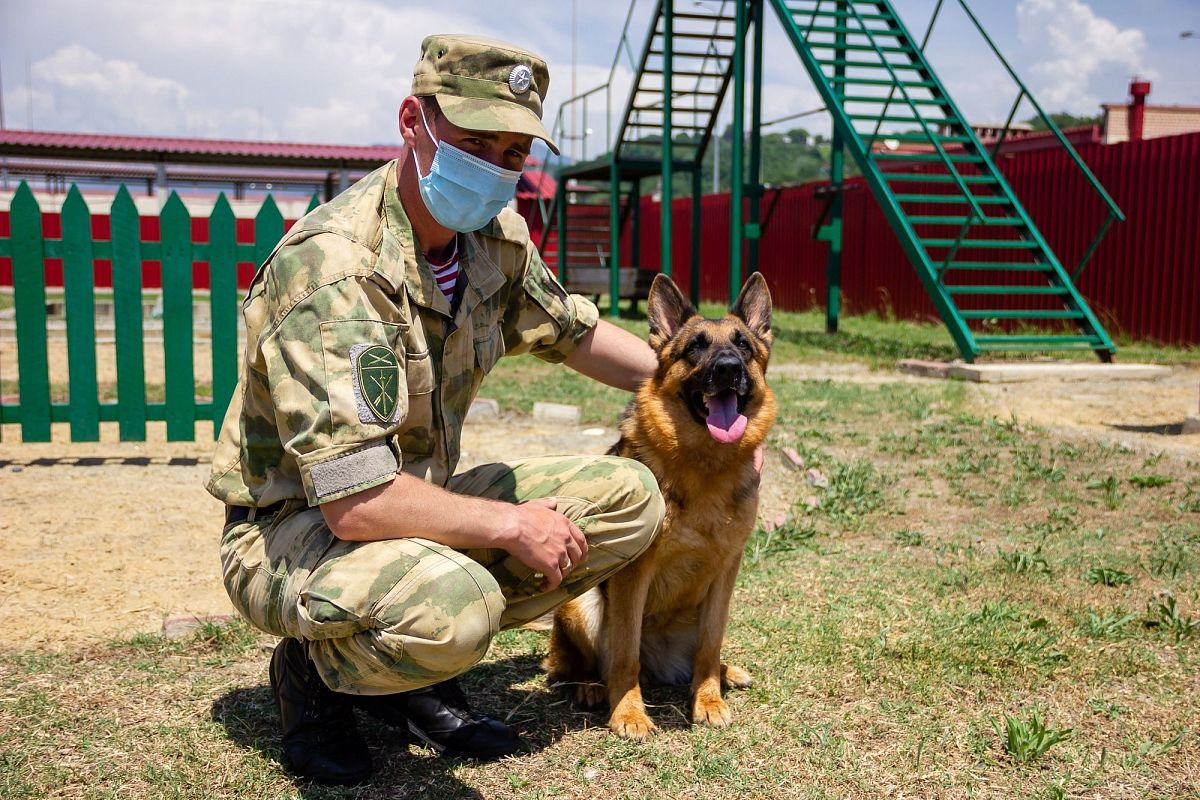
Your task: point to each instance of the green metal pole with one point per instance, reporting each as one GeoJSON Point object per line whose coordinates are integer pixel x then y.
{"type": "Point", "coordinates": [614, 239]}
{"type": "Point", "coordinates": [753, 229]}
{"type": "Point", "coordinates": [635, 238]}
{"type": "Point", "coordinates": [561, 221]}
{"type": "Point", "coordinates": [697, 192]}
{"type": "Point", "coordinates": [737, 178]}
{"type": "Point", "coordinates": [667, 155]}
{"type": "Point", "coordinates": [635, 197]}
{"type": "Point", "coordinates": [833, 266]}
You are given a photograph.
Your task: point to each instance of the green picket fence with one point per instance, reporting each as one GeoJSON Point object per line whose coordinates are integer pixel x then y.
{"type": "Point", "coordinates": [180, 407]}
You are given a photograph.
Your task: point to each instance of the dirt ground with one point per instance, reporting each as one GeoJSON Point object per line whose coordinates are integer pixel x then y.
{"type": "Point", "coordinates": [107, 539]}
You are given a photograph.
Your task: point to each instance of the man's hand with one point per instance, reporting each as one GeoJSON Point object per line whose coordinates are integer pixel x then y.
{"type": "Point", "coordinates": [544, 540]}
{"type": "Point", "coordinates": [535, 533]}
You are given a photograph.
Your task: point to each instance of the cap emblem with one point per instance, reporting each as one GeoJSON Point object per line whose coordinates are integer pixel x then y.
{"type": "Point", "coordinates": [520, 79]}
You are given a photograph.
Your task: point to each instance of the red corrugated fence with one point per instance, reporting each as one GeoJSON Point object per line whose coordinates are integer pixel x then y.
{"type": "Point", "coordinates": [1143, 281]}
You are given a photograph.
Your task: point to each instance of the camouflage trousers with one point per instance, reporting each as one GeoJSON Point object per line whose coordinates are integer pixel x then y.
{"type": "Point", "coordinates": [389, 616]}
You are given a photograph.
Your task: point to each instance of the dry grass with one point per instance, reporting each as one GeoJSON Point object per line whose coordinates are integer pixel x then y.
{"type": "Point", "coordinates": [937, 586]}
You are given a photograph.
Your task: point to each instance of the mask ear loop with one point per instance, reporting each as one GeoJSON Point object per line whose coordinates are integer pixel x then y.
{"type": "Point", "coordinates": [429, 133]}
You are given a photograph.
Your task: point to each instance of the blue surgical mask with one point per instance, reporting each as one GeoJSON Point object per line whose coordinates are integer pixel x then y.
{"type": "Point", "coordinates": [463, 192]}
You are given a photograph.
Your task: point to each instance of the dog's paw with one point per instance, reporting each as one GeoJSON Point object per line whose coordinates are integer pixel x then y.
{"type": "Point", "coordinates": [590, 695]}
{"type": "Point", "coordinates": [712, 712]}
{"type": "Point", "coordinates": [735, 677]}
{"type": "Point", "coordinates": [631, 725]}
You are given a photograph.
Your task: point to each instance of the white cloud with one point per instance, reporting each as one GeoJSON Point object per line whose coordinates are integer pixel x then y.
{"type": "Point", "coordinates": [1073, 46]}
{"type": "Point", "coordinates": [75, 89]}
{"type": "Point", "coordinates": [270, 69]}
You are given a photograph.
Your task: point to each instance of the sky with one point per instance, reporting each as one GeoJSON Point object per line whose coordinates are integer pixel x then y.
{"type": "Point", "coordinates": [335, 71]}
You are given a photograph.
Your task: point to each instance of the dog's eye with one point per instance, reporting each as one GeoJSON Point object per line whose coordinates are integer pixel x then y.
{"type": "Point", "coordinates": [697, 344]}
{"type": "Point", "coordinates": [742, 343]}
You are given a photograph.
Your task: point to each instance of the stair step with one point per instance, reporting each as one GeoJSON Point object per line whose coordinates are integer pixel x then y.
{"type": "Point", "coordinates": [935, 177]}
{"type": "Point", "coordinates": [720, 37]}
{"type": "Point", "coordinates": [854, 80]}
{"type": "Point", "coordinates": [1018, 314]}
{"type": "Point", "coordinates": [1032, 342]}
{"type": "Point", "coordinates": [955, 199]}
{"type": "Point", "coordinates": [704, 17]}
{"type": "Point", "coordinates": [935, 220]}
{"type": "Point", "coordinates": [840, 14]}
{"type": "Point", "coordinates": [983, 244]}
{"type": "Point", "coordinates": [658, 109]}
{"type": "Point", "coordinates": [961, 158]}
{"type": "Point", "coordinates": [682, 93]}
{"type": "Point", "coordinates": [860, 47]}
{"type": "Point", "coordinates": [703, 54]}
{"type": "Point", "coordinates": [993, 266]}
{"type": "Point", "coordinates": [842, 62]}
{"type": "Point", "coordinates": [686, 73]}
{"type": "Point", "coordinates": [890, 32]}
{"type": "Point", "coordinates": [920, 138]}
{"type": "Point", "coordinates": [914, 120]}
{"type": "Point", "coordinates": [675, 126]}
{"type": "Point", "coordinates": [1008, 290]}
{"type": "Point", "coordinates": [896, 100]}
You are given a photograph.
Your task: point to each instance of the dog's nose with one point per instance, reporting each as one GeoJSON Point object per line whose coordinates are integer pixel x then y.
{"type": "Point", "coordinates": [726, 372]}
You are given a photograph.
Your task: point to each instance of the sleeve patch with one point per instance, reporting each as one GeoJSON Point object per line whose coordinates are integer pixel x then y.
{"type": "Point", "coordinates": [376, 377]}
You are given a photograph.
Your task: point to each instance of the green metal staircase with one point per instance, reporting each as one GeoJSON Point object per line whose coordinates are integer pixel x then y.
{"type": "Point", "coordinates": [689, 47]}
{"type": "Point", "coordinates": [979, 255]}
{"type": "Point", "coordinates": [991, 275]}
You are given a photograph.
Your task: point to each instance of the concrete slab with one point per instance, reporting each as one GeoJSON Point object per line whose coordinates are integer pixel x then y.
{"type": "Point", "coordinates": [1033, 371]}
{"type": "Point", "coordinates": [483, 409]}
{"type": "Point", "coordinates": [556, 412]}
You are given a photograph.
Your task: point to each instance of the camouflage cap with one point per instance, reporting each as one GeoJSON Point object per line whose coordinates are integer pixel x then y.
{"type": "Point", "coordinates": [483, 84]}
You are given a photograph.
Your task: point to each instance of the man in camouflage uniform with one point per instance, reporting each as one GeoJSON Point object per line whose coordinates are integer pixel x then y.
{"type": "Point", "coordinates": [347, 531]}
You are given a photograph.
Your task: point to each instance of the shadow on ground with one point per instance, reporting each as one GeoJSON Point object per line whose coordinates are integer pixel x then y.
{"type": "Point", "coordinates": [498, 688]}
{"type": "Point", "coordinates": [1164, 429]}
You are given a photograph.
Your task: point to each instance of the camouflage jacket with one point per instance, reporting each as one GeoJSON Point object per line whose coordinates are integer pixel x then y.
{"type": "Point", "coordinates": [355, 365]}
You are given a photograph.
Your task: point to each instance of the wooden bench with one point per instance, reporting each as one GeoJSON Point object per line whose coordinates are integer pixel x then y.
{"type": "Point", "coordinates": [634, 284]}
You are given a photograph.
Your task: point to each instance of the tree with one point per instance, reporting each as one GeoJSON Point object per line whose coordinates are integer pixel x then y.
{"type": "Point", "coordinates": [1064, 120]}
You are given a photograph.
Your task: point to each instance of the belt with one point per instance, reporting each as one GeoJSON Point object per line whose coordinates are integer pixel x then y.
{"type": "Point", "coordinates": [250, 513]}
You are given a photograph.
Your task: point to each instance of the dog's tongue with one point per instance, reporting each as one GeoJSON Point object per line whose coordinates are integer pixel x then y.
{"type": "Point", "coordinates": [724, 422]}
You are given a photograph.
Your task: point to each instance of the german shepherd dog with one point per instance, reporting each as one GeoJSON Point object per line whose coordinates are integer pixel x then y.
{"type": "Point", "coordinates": [696, 424]}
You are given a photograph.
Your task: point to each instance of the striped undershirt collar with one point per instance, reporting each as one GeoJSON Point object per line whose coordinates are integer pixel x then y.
{"type": "Point", "coordinates": [445, 273]}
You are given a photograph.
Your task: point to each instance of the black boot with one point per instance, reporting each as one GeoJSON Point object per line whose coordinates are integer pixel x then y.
{"type": "Point", "coordinates": [440, 717]}
{"type": "Point", "coordinates": [319, 736]}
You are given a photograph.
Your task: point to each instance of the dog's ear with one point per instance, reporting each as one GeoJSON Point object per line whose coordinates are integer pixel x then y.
{"type": "Point", "coordinates": [666, 309]}
{"type": "Point", "coordinates": [753, 307]}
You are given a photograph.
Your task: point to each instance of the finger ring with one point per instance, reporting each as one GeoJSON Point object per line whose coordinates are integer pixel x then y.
{"type": "Point", "coordinates": [567, 565]}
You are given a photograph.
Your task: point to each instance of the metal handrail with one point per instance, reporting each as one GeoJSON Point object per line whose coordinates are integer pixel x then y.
{"type": "Point", "coordinates": [976, 211]}
{"type": "Point", "coordinates": [558, 129]}
{"type": "Point", "coordinates": [1114, 211]}
{"type": "Point", "coordinates": [1050, 124]}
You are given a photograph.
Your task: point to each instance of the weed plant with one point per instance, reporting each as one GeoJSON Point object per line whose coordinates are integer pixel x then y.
{"type": "Point", "coordinates": [1029, 740]}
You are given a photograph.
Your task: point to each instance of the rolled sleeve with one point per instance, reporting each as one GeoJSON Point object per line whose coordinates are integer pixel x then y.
{"type": "Point", "coordinates": [336, 373]}
{"type": "Point", "coordinates": [547, 322]}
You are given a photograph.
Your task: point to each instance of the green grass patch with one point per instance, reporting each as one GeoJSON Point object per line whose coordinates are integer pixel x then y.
{"type": "Point", "coordinates": [919, 618]}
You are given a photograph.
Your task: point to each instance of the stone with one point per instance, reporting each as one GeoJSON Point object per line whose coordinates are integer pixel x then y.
{"type": "Point", "coordinates": [556, 412]}
{"type": "Point", "coordinates": [792, 456]}
{"type": "Point", "coordinates": [1032, 371]}
{"type": "Point", "coordinates": [483, 409]}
